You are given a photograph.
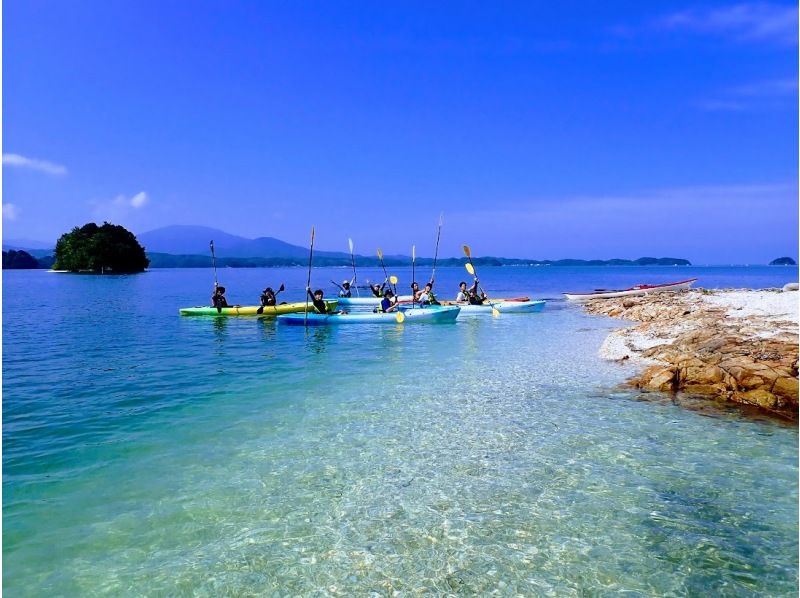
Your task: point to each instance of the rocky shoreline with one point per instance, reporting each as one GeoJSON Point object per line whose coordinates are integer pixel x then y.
{"type": "Point", "coordinates": [736, 345]}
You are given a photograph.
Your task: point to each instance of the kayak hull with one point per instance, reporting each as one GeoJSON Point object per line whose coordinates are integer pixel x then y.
{"type": "Point", "coordinates": [345, 302]}
{"type": "Point", "coordinates": [644, 289]}
{"type": "Point", "coordinates": [504, 307]}
{"type": "Point", "coordinates": [250, 310]}
{"type": "Point", "coordinates": [448, 314]}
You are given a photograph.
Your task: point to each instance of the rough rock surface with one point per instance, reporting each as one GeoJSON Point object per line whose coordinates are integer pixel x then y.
{"type": "Point", "coordinates": [740, 345]}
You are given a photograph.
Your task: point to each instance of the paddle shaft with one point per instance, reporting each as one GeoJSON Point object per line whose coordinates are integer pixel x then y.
{"type": "Point", "coordinates": [436, 253]}
{"type": "Point", "coordinates": [214, 264]}
{"type": "Point", "coordinates": [385, 273]}
{"type": "Point", "coordinates": [308, 279]}
{"type": "Point", "coordinates": [353, 262]}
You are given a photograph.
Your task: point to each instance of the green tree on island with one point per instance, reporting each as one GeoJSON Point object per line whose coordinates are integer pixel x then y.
{"type": "Point", "coordinates": [99, 248]}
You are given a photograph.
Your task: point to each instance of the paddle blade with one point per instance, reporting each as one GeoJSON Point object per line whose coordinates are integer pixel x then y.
{"type": "Point", "coordinates": [495, 311]}
{"type": "Point", "coordinates": [469, 268]}
{"type": "Point", "coordinates": [400, 317]}
{"type": "Point", "coordinates": [393, 279]}
{"type": "Point", "coordinates": [467, 251]}
{"type": "Point", "coordinates": [380, 254]}
{"type": "Point", "coordinates": [441, 219]}
{"type": "Point", "coordinates": [312, 235]}
{"type": "Point", "coordinates": [413, 253]}
{"type": "Point", "coordinates": [280, 290]}
{"type": "Point", "coordinates": [350, 241]}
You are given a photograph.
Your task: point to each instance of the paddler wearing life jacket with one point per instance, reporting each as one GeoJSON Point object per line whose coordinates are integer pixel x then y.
{"type": "Point", "coordinates": [388, 303]}
{"type": "Point", "coordinates": [475, 298]}
{"type": "Point", "coordinates": [345, 289]}
{"type": "Point", "coordinates": [218, 298]}
{"type": "Point", "coordinates": [427, 297]}
{"type": "Point", "coordinates": [316, 298]}
{"type": "Point", "coordinates": [377, 289]}
{"type": "Point", "coordinates": [268, 298]}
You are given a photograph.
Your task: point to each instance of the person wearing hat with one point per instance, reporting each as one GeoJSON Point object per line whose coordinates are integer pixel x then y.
{"type": "Point", "coordinates": [377, 289]}
{"type": "Point", "coordinates": [345, 289]}
{"type": "Point", "coordinates": [388, 303]}
{"type": "Point", "coordinates": [218, 298]}
{"type": "Point", "coordinates": [268, 298]}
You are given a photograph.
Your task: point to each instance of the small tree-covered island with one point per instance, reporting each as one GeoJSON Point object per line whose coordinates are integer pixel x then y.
{"type": "Point", "coordinates": [106, 248]}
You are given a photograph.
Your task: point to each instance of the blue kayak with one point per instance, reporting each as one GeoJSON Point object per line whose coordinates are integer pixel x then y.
{"type": "Point", "coordinates": [443, 314]}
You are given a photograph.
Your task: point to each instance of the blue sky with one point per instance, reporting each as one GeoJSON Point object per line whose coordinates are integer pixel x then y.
{"type": "Point", "coordinates": [542, 130]}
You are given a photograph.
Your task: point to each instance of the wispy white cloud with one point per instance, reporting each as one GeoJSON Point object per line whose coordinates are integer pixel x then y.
{"type": "Point", "coordinates": [755, 22]}
{"type": "Point", "coordinates": [137, 201]}
{"type": "Point", "coordinates": [15, 160]}
{"type": "Point", "coordinates": [769, 93]}
{"type": "Point", "coordinates": [119, 207]}
{"type": "Point", "coordinates": [10, 211]}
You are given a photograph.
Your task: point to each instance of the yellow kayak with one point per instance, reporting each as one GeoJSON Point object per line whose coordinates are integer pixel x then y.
{"type": "Point", "coordinates": [252, 310]}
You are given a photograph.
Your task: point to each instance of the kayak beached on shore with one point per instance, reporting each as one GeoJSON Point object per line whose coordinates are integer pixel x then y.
{"type": "Point", "coordinates": [642, 289]}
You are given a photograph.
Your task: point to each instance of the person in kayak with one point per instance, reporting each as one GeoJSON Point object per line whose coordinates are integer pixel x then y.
{"type": "Point", "coordinates": [427, 297]}
{"type": "Point", "coordinates": [345, 289]}
{"type": "Point", "coordinates": [377, 289]}
{"type": "Point", "coordinates": [464, 293]}
{"type": "Point", "coordinates": [476, 298]}
{"type": "Point", "coordinates": [388, 303]}
{"type": "Point", "coordinates": [415, 292]}
{"type": "Point", "coordinates": [218, 298]}
{"type": "Point", "coordinates": [316, 298]}
{"type": "Point", "coordinates": [268, 298]}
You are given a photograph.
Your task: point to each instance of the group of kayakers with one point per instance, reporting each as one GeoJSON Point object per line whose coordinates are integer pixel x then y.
{"type": "Point", "coordinates": [383, 291]}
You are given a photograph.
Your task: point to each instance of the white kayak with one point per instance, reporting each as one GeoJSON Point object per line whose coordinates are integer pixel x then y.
{"type": "Point", "coordinates": [642, 289]}
{"type": "Point", "coordinates": [365, 301]}
{"type": "Point", "coordinates": [504, 307]}
{"type": "Point", "coordinates": [443, 314]}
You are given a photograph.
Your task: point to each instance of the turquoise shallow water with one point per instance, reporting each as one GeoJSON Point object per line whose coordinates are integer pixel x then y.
{"type": "Point", "coordinates": [149, 454]}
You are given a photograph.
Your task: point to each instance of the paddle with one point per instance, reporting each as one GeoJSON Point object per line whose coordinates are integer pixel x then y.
{"type": "Point", "coordinates": [389, 278]}
{"type": "Point", "coordinates": [471, 269]}
{"type": "Point", "coordinates": [260, 310]}
{"type": "Point", "coordinates": [308, 280]}
{"type": "Point", "coordinates": [214, 263]}
{"type": "Point", "coordinates": [413, 274]}
{"type": "Point", "coordinates": [353, 261]}
{"type": "Point", "coordinates": [436, 253]}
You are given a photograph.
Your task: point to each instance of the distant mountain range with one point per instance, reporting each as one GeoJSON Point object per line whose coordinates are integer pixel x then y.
{"type": "Point", "coordinates": [185, 246]}
{"type": "Point", "coordinates": [194, 240]}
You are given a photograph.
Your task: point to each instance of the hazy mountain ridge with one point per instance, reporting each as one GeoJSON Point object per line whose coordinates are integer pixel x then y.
{"type": "Point", "coordinates": [187, 246]}
{"type": "Point", "coordinates": [194, 240]}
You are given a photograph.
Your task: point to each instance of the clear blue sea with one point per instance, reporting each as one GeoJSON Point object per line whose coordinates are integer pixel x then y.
{"type": "Point", "coordinates": [149, 454]}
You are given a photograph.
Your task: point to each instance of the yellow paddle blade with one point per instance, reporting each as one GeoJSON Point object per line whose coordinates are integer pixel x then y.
{"type": "Point", "coordinates": [393, 279]}
{"type": "Point", "coordinates": [467, 252]}
{"type": "Point", "coordinates": [400, 317]}
{"type": "Point", "coordinates": [469, 268]}
{"type": "Point", "coordinates": [495, 311]}
{"type": "Point", "coordinates": [380, 254]}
